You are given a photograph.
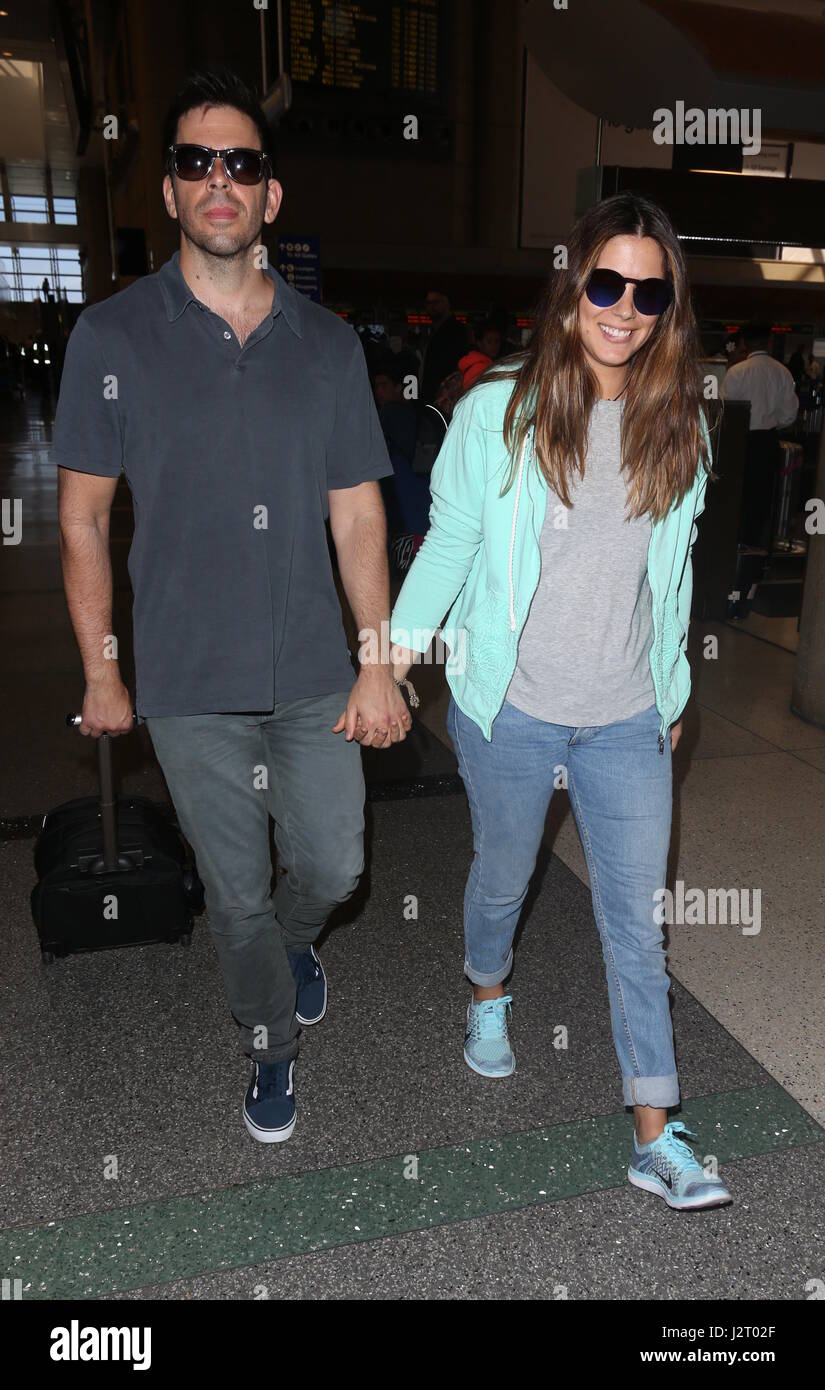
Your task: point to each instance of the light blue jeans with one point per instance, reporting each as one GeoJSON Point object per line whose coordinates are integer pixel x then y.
{"type": "Point", "coordinates": [620, 788]}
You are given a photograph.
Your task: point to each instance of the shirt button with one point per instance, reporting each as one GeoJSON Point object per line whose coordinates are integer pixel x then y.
{"type": "Point", "coordinates": [227, 334]}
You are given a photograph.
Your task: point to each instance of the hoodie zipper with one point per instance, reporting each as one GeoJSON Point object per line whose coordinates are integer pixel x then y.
{"type": "Point", "coordinates": [661, 680]}
{"type": "Point", "coordinates": [513, 528]}
{"type": "Point", "coordinates": [660, 654]}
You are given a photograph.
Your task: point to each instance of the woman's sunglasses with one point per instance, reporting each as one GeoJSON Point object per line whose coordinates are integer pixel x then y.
{"type": "Point", "coordinates": [606, 287]}
{"type": "Point", "coordinates": [193, 162]}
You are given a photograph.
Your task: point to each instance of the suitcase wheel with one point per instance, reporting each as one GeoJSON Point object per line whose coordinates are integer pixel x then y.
{"type": "Point", "coordinates": [193, 889]}
{"type": "Point", "coordinates": [185, 939]}
{"type": "Point", "coordinates": [47, 957]}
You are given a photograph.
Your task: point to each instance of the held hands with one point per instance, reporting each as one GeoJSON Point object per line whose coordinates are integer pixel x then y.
{"type": "Point", "coordinates": [376, 713]}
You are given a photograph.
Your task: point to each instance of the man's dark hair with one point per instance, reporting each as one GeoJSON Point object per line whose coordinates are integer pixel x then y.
{"type": "Point", "coordinates": [216, 87]}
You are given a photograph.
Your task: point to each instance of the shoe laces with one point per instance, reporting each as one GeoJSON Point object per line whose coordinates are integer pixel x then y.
{"type": "Point", "coordinates": [273, 1078]}
{"type": "Point", "coordinates": [489, 1017]}
{"type": "Point", "coordinates": [676, 1148]}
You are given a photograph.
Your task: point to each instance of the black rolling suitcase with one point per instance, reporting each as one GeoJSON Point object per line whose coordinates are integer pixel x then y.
{"type": "Point", "coordinates": [111, 872]}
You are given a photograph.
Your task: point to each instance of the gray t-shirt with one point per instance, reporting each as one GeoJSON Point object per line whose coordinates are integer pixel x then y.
{"type": "Point", "coordinates": [583, 652]}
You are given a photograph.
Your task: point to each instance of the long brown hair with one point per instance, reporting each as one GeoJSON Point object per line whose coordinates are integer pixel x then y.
{"type": "Point", "coordinates": [662, 438]}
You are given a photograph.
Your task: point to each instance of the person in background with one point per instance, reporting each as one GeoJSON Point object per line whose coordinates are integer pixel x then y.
{"type": "Point", "coordinates": [502, 319]}
{"type": "Point", "coordinates": [406, 494]}
{"type": "Point", "coordinates": [19, 371]}
{"type": "Point", "coordinates": [387, 374]}
{"type": "Point", "coordinates": [813, 369]}
{"type": "Point", "coordinates": [735, 349]}
{"type": "Point", "coordinates": [404, 353]}
{"type": "Point", "coordinates": [483, 355]}
{"type": "Point", "coordinates": [796, 364]}
{"type": "Point", "coordinates": [469, 369]}
{"type": "Point", "coordinates": [769, 387]}
{"type": "Point", "coordinates": [446, 344]}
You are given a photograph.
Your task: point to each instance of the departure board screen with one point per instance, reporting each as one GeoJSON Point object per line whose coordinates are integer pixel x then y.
{"type": "Point", "coordinates": [378, 50]}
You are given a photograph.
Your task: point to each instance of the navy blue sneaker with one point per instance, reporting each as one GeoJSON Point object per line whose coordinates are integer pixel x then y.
{"type": "Point", "coordinates": [269, 1106]}
{"type": "Point", "coordinates": [312, 985]}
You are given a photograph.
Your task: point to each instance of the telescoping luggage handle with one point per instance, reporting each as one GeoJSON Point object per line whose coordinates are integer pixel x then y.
{"type": "Point", "coordinates": [111, 860]}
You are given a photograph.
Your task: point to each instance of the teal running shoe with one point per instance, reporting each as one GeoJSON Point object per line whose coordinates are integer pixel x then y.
{"type": "Point", "coordinates": [486, 1045]}
{"type": "Point", "coordinates": [667, 1166]}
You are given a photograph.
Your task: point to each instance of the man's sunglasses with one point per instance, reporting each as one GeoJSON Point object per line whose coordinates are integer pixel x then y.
{"type": "Point", "coordinates": [606, 287]}
{"type": "Point", "coordinates": [193, 162]}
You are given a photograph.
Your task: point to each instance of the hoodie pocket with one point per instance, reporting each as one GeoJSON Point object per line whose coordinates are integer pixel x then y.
{"type": "Point", "coordinates": [489, 642]}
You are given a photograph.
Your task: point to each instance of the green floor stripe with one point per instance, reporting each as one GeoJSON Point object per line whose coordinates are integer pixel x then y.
{"type": "Point", "coordinates": [181, 1237]}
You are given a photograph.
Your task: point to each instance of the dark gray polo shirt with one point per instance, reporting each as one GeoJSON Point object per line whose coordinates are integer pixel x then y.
{"type": "Point", "coordinates": [229, 453]}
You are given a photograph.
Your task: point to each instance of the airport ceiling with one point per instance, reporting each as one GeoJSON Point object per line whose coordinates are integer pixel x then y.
{"type": "Point", "coordinates": [33, 79]}
{"type": "Point", "coordinates": [620, 59]}
{"type": "Point", "coordinates": [625, 59]}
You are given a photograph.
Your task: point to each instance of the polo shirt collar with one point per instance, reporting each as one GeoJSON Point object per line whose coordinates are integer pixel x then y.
{"type": "Point", "coordinates": [177, 294]}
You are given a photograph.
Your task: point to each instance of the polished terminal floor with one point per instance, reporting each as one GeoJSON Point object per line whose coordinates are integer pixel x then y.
{"type": "Point", "coordinates": [127, 1172]}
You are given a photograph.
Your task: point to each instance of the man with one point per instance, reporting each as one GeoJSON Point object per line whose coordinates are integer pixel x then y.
{"type": "Point", "coordinates": [446, 344]}
{"type": "Point", "coordinates": [242, 416]}
{"type": "Point", "coordinates": [769, 387]}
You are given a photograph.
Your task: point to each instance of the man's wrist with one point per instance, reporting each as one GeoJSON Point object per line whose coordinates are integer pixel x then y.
{"type": "Point", "coordinates": [109, 674]}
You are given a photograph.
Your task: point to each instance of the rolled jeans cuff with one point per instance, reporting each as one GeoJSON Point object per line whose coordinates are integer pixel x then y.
{"type": "Point", "coordinates": [479, 978]}
{"type": "Point", "coordinates": [662, 1092]}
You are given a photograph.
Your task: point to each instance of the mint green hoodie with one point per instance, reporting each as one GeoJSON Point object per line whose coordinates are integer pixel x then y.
{"type": "Point", "coordinates": [481, 561]}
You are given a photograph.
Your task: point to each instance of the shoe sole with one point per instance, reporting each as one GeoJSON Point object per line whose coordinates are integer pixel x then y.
{"type": "Point", "coordinates": [491, 1075]}
{"type": "Point", "coordinates": [268, 1136]}
{"type": "Point", "coordinates": [683, 1204]}
{"type": "Point", "coordinates": [308, 1022]}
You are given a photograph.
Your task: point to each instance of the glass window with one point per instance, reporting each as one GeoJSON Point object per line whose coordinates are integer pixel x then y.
{"type": "Point", "coordinates": [29, 209]}
{"type": "Point", "coordinates": [68, 279]}
{"type": "Point", "coordinates": [24, 268]}
{"type": "Point", "coordinates": [65, 211]}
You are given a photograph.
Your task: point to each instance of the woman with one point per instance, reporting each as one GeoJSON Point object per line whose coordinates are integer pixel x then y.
{"type": "Point", "coordinates": [564, 504]}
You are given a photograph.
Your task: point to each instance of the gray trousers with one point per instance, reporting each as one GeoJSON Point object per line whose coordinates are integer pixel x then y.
{"type": "Point", "coordinates": [227, 774]}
